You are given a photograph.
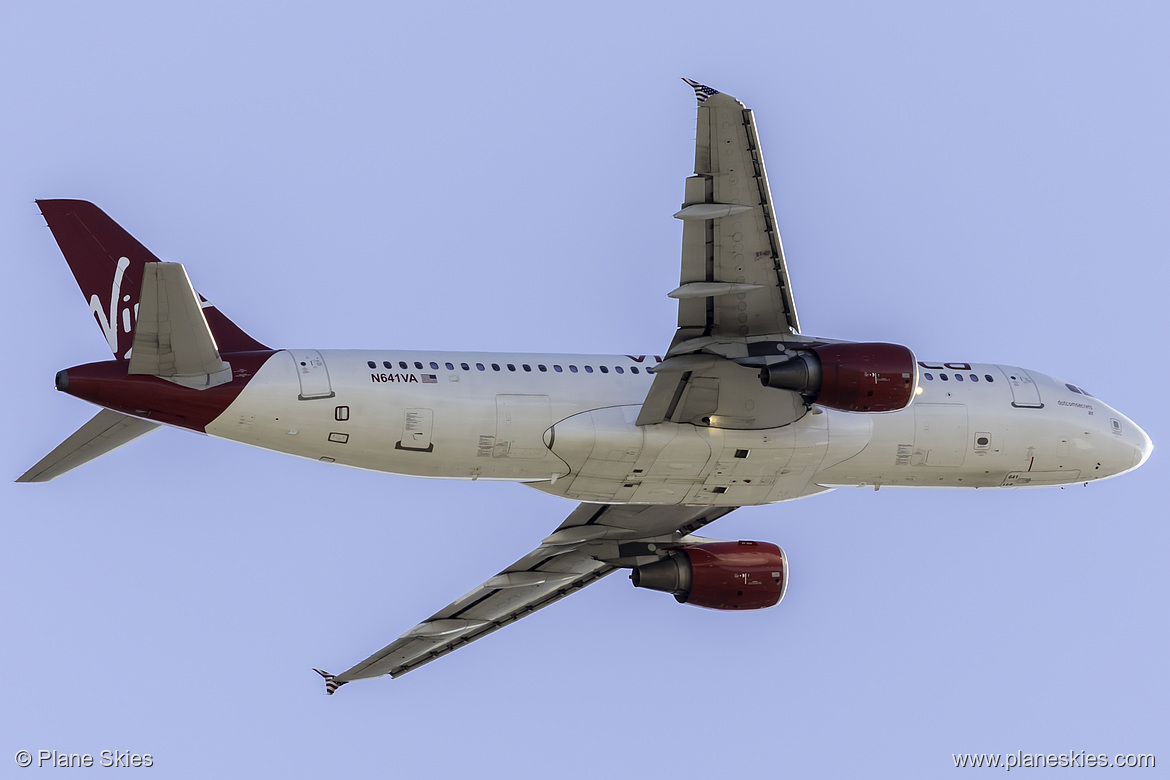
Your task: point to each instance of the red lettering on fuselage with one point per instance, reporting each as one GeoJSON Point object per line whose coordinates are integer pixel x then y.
{"type": "Point", "coordinates": [393, 378]}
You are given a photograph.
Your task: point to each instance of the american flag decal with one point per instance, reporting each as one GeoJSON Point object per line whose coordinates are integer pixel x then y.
{"type": "Point", "coordinates": [331, 685]}
{"type": "Point", "coordinates": [702, 91]}
{"type": "Point", "coordinates": [429, 379]}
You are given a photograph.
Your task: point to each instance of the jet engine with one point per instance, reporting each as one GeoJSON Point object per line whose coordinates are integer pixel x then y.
{"type": "Point", "coordinates": [719, 575]}
{"type": "Point", "coordinates": [851, 377]}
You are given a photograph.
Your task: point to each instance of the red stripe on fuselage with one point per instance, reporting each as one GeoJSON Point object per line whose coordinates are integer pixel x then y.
{"type": "Point", "coordinates": [149, 397]}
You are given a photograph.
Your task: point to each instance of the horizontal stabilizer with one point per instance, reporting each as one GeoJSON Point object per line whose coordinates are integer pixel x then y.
{"type": "Point", "coordinates": [105, 432]}
{"type": "Point", "coordinates": [171, 338]}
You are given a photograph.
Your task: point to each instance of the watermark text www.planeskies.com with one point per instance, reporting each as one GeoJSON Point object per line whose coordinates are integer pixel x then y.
{"type": "Point", "coordinates": [1073, 758]}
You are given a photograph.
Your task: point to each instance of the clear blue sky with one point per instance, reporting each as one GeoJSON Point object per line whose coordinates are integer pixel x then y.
{"type": "Point", "coordinates": [984, 183]}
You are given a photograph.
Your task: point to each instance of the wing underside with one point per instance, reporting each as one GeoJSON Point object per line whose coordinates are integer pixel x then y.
{"type": "Point", "coordinates": [734, 280]}
{"type": "Point", "coordinates": [592, 542]}
{"type": "Point", "coordinates": [735, 303]}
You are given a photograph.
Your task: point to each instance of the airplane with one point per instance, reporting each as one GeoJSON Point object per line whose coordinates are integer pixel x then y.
{"type": "Point", "coordinates": [744, 408]}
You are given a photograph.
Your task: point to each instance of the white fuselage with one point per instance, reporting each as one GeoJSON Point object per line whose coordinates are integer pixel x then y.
{"type": "Point", "coordinates": [565, 425]}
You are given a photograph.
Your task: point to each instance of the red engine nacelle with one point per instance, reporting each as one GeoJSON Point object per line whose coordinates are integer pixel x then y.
{"type": "Point", "coordinates": [719, 575]}
{"type": "Point", "coordinates": [850, 377]}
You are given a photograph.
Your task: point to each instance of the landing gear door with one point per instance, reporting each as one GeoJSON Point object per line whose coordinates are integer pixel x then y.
{"type": "Point", "coordinates": [1025, 392]}
{"type": "Point", "coordinates": [313, 374]}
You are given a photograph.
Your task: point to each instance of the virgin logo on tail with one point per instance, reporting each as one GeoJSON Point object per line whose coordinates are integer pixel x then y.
{"type": "Point", "coordinates": [108, 319]}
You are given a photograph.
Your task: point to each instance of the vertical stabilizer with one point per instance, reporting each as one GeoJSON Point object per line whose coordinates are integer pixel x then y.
{"type": "Point", "coordinates": [108, 264]}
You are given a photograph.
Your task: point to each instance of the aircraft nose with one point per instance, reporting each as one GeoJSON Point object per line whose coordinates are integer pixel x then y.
{"type": "Point", "coordinates": [1143, 446]}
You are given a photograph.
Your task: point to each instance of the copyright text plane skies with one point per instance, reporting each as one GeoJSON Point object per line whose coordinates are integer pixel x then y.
{"type": "Point", "coordinates": [743, 408]}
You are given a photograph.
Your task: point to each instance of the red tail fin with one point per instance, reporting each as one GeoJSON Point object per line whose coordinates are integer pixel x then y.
{"type": "Point", "coordinates": [107, 263]}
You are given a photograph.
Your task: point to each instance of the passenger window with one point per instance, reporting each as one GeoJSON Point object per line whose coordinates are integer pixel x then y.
{"type": "Point", "coordinates": [943, 377]}
{"type": "Point", "coordinates": [929, 377]}
{"type": "Point", "coordinates": [604, 369]}
{"type": "Point", "coordinates": [371, 364]}
{"type": "Point", "coordinates": [588, 369]}
{"type": "Point", "coordinates": [387, 364]}
{"type": "Point", "coordinates": [958, 377]}
{"type": "Point", "coordinates": [434, 366]}
{"type": "Point", "coordinates": [450, 366]}
{"type": "Point", "coordinates": [525, 366]}
{"type": "Point", "coordinates": [511, 367]}
{"type": "Point", "coordinates": [402, 365]}
{"type": "Point", "coordinates": [556, 368]}
{"type": "Point", "coordinates": [974, 377]}
{"type": "Point", "coordinates": [418, 365]}
{"type": "Point", "coordinates": [541, 368]}
{"type": "Point", "coordinates": [619, 369]}
{"type": "Point", "coordinates": [479, 367]}
{"type": "Point", "coordinates": [465, 367]}
{"type": "Point", "coordinates": [633, 369]}
{"type": "Point", "coordinates": [573, 369]}
{"type": "Point", "coordinates": [988, 377]}
{"type": "Point", "coordinates": [495, 366]}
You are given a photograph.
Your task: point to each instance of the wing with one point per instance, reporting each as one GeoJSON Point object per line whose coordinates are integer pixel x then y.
{"type": "Point", "coordinates": [734, 281]}
{"type": "Point", "coordinates": [734, 297]}
{"type": "Point", "coordinates": [592, 542]}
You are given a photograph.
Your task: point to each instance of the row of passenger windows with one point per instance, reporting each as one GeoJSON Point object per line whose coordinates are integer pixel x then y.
{"type": "Point", "coordinates": [402, 364]}
{"type": "Point", "coordinates": [958, 377]}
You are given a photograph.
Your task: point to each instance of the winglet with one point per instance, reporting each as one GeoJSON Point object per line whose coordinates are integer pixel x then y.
{"type": "Point", "coordinates": [702, 91]}
{"type": "Point", "coordinates": [331, 684]}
